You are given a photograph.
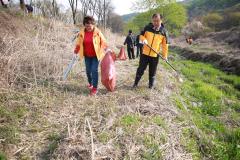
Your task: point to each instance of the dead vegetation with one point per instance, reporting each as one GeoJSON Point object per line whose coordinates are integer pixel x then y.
{"type": "Point", "coordinates": [35, 50]}
{"type": "Point", "coordinates": [35, 53]}
{"type": "Point", "coordinates": [43, 117]}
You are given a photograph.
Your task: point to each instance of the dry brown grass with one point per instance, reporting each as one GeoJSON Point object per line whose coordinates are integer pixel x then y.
{"type": "Point", "coordinates": [36, 56]}
{"type": "Point", "coordinates": [38, 52]}
{"type": "Point", "coordinates": [63, 122]}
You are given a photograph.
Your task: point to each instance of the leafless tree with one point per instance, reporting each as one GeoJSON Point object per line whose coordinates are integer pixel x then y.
{"type": "Point", "coordinates": [102, 10]}
{"type": "Point", "coordinates": [96, 8]}
{"type": "Point", "coordinates": [22, 5]}
{"type": "Point", "coordinates": [115, 22]}
{"type": "Point", "coordinates": [85, 6]}
{"type": "Point", "coordinates": [73, 4]}
{"type": "Point", "coordinates": [55, 9]}
{"type": "Point", "coordinates": [46, 8]}
{"type": "Point", "coordinates": [3, 4]}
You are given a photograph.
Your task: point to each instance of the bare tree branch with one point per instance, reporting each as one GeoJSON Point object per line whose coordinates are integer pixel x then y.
{"type": "Point", "coordinates": [73, 4]}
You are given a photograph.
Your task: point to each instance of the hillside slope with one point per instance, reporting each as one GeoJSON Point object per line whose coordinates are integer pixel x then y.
{"type": "Point", "coordinates": [43, 117]}
{"type": "Point", "coordinates": [219, 48]}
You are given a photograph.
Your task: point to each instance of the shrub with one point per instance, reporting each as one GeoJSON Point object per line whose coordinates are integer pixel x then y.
{"type": "Point", "coordinates": [213, 20]}
{"type": "Point", "coordinates": [231, 19]}
{"type": "Point", "coordinates": [174, 18]}
{"type": "Point", "coordinates": [195, 29]}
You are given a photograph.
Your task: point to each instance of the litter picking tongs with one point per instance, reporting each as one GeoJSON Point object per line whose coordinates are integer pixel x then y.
{"type": "Point", "coordinates": [69, 67]}
{"type": "Point", "coordinates": [178, 73]}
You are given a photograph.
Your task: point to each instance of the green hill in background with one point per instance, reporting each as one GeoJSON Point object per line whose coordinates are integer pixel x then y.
{"type": "Point", "coordinates": [128, 17]}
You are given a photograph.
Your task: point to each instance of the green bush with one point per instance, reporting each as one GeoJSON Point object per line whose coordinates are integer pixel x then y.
{"type": "Point", "coordinates": [196, 29]}
{"type": "Point", "coordinates": [174, 18]}
{"type": "Point", "coordinates": [222, 19]}
{"type": "Point", "coordinates": [232, 19]}
{"type": "Point", "coordinates": [213, 20]}
{"type": "Point", "coordinates": [2, 156]}
{"type": "Point", "coordinates": [200, 7]}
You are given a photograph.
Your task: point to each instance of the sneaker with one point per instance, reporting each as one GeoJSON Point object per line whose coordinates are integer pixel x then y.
{"type": "Point", "coordinates": [152, 87]}
{"type": "Point", "coordinates": [93, 92]}
{"type": "Point", "coordinates": [134, 86]}
{"type": "Point", "coordinates": [90, 87]}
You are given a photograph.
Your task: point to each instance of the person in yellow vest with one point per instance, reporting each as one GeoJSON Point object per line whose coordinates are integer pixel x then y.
{"type": "Point", "coordinates": [156, 36]}
{"type": "Point", "coordinates": [91, 45]}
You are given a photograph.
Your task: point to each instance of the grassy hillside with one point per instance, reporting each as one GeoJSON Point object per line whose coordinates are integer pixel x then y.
{"type": "Point", "coordinates": [209, 100]}
{"type": "Point", "coordinates": [174, 18]}
{"type": "Point", "coordinates": [43, 117]}
{"type": "Point", "coordinates": [128, 17]}
{"type": "Point", "coordinates": [201, 7]}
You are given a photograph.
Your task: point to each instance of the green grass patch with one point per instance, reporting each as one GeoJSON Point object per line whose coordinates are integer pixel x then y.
{"type": "Point", "coordinates": [208, 124]}
{"type": "Point", "coordinates": [209, 94]}
{"type": "Point", "coordinates": [189, 142]}
{"type": "Point", "coordinates": [158, 120]}
{"type": "Point", "coordinates": [130, 120]}
{"type": "Point", "coordinates": [152, 151]}
{"type": "Point", "coordinates": [9, 133]}
{"type": "Point", "coordinates": [54, 140]}
{"type": "Point", "coordinates": [11, 117]}
{"type": "Point", "coordinates": [104, 137]}
{"type": "Point", "coordinates": [233, 80]}
{"type": "Point", "coordinates": [3, 156]}
{"type": "Point", "coordinates": [54, 137]}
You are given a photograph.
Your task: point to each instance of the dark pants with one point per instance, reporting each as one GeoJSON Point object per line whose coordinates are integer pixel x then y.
{"type": "Point", "coordinates": [139, 50]}
{"type": "Point", "coordinates": [143, 63]}
{"type": "Point", "coordinates": [130, 51]}
{"type": "Point", "coordinates": [92, 70]}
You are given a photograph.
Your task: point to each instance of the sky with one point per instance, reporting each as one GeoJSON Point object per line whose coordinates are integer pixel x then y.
{"type": "Point", "coordinates": [121, 6]}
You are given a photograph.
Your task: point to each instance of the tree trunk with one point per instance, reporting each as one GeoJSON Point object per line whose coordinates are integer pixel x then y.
{"type": "Point", "coordinates": [104, 14]}
{"type": "Point", "coordinates": [22, 4]}
{"type": "Point", "coordinates": [73, 4]}
{"type": "Point", "coordinates": [4, 5]}
{"type": "Point", "coordinates": [74, 18]}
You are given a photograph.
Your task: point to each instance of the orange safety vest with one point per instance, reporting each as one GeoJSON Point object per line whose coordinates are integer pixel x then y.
{"type": "Point", "coordinates": [156, 39]}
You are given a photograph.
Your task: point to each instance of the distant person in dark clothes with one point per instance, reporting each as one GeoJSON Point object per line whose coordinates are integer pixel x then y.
{"type": "Point", "coordinates": [139, 45]}
{"type": "Point", "coordinates": [129, 41]}
{"type": "Point", "coordinates": [29, 9]}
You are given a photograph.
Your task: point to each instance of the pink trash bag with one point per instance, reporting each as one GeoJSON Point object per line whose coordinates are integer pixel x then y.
{"type": "Point", "coordinates": [108, 71]}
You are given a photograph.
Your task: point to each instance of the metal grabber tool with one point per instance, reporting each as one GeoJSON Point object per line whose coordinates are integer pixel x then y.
{"type": "Point", "coordinates": [69, 67]}
{"type": "Point", "coordinates": [178, 74]}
